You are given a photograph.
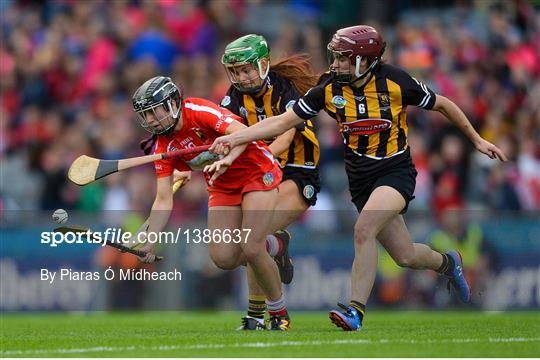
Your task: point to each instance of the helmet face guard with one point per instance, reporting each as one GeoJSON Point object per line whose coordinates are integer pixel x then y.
{"type": "Point", "coordinates": [153, 104]}
{"type": "Point", "coordinates": [343, 77]}
{"type": "Point", "coordinates": [340, 77]}
{"type": "Point", "coordinates": [163, 114]}
{"type": "Point", "coordinates": [249, 86]}
{"type": "Point", "coordinates": [248, 50]}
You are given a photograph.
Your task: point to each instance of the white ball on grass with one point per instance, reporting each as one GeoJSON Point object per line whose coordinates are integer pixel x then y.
{"type": "Point", "coordinates": [60, 216]}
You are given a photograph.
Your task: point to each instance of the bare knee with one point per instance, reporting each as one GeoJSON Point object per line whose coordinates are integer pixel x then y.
{"type": "Point", "coordinates": [252, 253]}
{"type": "Point", "coordinates": [225, 262]}
{"type": "Point", "coordinates": [363, 233]}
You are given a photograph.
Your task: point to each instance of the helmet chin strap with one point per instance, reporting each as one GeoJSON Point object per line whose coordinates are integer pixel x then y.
{"type": "Point", "coordinates": [357, 67]}
{"type": "Point", "coordinates": [368, 70]}
{"type": "Point", "coordinates": [175, 116]}
{"type": "Point", "coordinates": [360, 76]}
{"type": "Point", "coordinates": [371, 66]}
{"type": "Point", "coordinates": [261, 75]}
{"type": "Point", "coordinates": [171, 129]}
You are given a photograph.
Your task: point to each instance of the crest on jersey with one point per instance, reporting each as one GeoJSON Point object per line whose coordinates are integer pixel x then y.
{"type": "Point", "coordinates": [199, 133]}
{"type": "Point", "coordinates": [384, 99]}
{"type": "Point", "coordinates": [226, 101]}
{"type": "Point", "coordinates": [308, 191]}
{"type": "Point", "coordinates": [268, 179]}
{"type": "Point", "coordinates": [243, 112]}
{"type": "Point", "coordinates": [339, 101]}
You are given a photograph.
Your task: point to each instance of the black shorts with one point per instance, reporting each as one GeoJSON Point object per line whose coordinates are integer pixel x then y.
{"type": "Point", "coordinates": [308, 182]}
{"type": "Point", "coordinates": [366, 174]}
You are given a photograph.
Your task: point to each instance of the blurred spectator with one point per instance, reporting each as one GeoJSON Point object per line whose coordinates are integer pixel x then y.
{"type": "Point", "coordinates": [68, 70]}
{"type": "Point", "coordinates": [449, 170]}
{"type": "Point", "coordinates": [456, 232]}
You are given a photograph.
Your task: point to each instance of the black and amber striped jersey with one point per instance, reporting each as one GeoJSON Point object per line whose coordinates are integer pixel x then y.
{"type": "Point", "coordinates": [372, 118]}
{"type": "Point", "coordinates": [281, 94]}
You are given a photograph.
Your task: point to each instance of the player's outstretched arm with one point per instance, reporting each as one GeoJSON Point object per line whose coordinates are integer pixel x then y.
{"type": "Point", "coordinates": [453, 113]}
{"type": "Point", "coordinates": [268, 128]}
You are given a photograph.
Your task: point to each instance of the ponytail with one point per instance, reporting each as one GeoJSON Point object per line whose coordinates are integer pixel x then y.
{"type": "Point", "coordinates": [298, 70]}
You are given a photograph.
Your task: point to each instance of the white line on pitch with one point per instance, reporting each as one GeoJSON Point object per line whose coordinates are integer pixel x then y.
{"type": "Point", "coordinates": [263, 345]}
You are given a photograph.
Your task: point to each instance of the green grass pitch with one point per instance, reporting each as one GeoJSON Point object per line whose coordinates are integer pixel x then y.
{"type": "Point", "coordinates": [203, 334]}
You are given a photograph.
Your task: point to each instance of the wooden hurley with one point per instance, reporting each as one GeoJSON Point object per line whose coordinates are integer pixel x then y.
{"type": "Point", "coordinates": [86, 169]}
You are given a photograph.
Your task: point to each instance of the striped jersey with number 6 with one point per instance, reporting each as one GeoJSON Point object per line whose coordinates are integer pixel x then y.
{"type": "Point", "coordinates": [372, 118]}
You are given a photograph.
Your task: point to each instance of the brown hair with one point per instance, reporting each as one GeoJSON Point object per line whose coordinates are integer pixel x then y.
{"type": "Point", "coordinates": [298, 70]}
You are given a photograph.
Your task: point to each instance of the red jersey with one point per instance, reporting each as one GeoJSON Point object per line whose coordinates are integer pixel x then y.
{"type": "Point", "coordinates": [203, 122]}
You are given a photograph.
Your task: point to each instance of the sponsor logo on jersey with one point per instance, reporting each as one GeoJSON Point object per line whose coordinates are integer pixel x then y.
{"type": "Point", "coordinates": [187, 142]}
{"type": "Point", "coordinates": [243, 112]}
{"type": "Point", "coordinates": [366, 126]}
{"type": "Point", "coordinates": [359, 98]}
{"type": "Point", "coordinates": [309, 163]}
{"type": "Point", "coordinates": [223, 119]}
{"type": "Point", "coordinates": [226, 101]}
{"type": "Point", "coordinates": [268, 179]}
{"type": "Point", "coordinates": [308, 191]}
{"type": "Point", "coordinates": [290, 104]}
{"type": "Point", "coordinates": [339, 101]}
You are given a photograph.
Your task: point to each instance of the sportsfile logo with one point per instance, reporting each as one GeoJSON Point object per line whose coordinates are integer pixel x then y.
{"type": "Point", "coordinates": [119, 236]}
{"type": "Point", "coordinates": [112, 235]}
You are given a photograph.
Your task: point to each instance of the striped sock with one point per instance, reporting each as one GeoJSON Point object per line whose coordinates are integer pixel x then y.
{"type": "Point", "coordinates": [447, 265]}
{"type": "Point", "coordinates": [361, 308]}
{"type": "Point", "coordinates": [256, 306]}
{"type": "Point", "coordinates": [277, 307]}
{"type": "Point", "coordinates": [272, 245]}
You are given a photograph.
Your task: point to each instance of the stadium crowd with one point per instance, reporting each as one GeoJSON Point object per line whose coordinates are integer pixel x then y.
{"type": "Point", "coordinates": [68, 70]}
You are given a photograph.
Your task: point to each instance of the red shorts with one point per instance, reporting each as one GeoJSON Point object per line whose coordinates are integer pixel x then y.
{"type": "Point", "coordinates": [256, 181]}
